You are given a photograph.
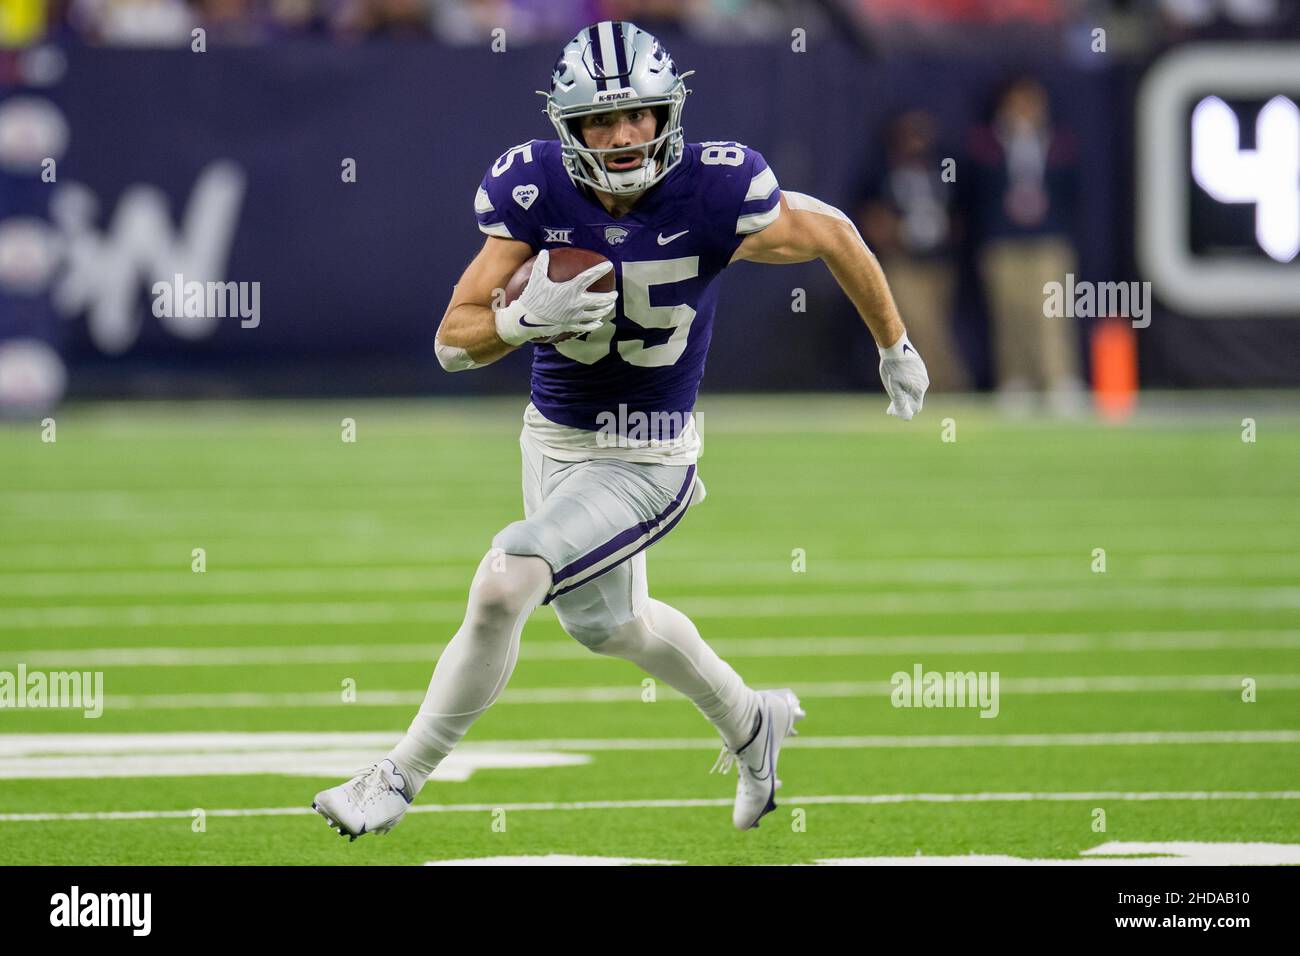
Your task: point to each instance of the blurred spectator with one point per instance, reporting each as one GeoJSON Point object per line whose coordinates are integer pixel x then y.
{"type": "Point", "coordinates": [740, 21]}
{"type": "Point", "coordinates": [233, 22]}
{"type": "Point", "coordinates": [168, 22]}
{"type": "Point", "coordinates": [649, 11]}
{"type": "Point", "coordinates": [974, 26]}
{"type": "Point", "coordinates": [894, 24]}
{"type": "Point", "coordinates": [1221, 19]}
{"type": "Point", "coordinates": [1140, 26]}
{"type": "Point", "coordinates": [470, 22]}
{"type": "Point", "coordinates": [133, 22]}
{"type": "Point", "coordinates": [291, 18]}
{"type": "Point", "coordinates": [908, 222]}
{"type": "Point", "coordinates": [969, 11]}
{"type": "Point", "coordinates": [388, 18]}
{"type": "Point", "coordinates": [1021, 182]}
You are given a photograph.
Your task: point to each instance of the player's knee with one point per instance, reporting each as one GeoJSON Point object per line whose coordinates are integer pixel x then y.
{"type": "Point", "coordinates": [507, 586]}
{"type": "Point", "coordinates": [519, 538]}
{"type": "Point", "coordinates": [494, 599]}
{"type": "Point", "coordinates": [613, 640]}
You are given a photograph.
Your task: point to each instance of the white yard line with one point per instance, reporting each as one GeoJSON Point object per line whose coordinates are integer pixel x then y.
{"type": "Point", "coordinates": [802, 605]}
{"type": "Point", "coordinates": [181, 580]}
{"type": "Point", "coordinates": [165, 744]}
{"type": "Point", "coordinates": [99, 756]}
{"type": "Point", "coordinates": [339, 762]}
{"type": "Point", "coordinates": [792, 801]}
{"type": "Point", "coordinates": [1113, 853]}
{"type": "Point", "coordinates": [170, 555]}
{"type": "Point", "coordinates": [82, 583]}
{"type": "Point", "coordinates": [759, 647]}
{"type": "Point", "coordinates": [245, 700]}
{"type": "Point", "coordinates": [268, 614]}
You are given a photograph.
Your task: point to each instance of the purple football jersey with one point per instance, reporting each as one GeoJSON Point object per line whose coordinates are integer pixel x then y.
{"type": "Point", "coordinates": [667, 254]}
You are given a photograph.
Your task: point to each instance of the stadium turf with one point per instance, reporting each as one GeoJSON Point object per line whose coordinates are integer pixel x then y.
{"type": "Point", "coordinates": [335, 571]}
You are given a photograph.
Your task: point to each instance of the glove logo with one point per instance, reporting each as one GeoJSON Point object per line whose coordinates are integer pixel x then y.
{"type": "Point", "coordinates": [908, 348]}
{"type": "Point", "coordinates": [525, 195]}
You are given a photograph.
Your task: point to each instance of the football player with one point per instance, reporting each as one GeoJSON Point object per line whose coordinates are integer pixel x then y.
{"type": "Point", "coordinates": [669, 216]}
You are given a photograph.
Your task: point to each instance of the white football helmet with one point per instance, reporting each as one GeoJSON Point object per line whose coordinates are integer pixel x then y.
{"type": "Point", "coordinates": [615, 65]}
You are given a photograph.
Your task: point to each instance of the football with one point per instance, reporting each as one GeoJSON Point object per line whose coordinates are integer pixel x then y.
{"type": "Point", "coordinates": [564, 265]}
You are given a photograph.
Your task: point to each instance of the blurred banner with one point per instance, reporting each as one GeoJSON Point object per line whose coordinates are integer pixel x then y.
{"type": "Point", "coordinates": [231, 166]}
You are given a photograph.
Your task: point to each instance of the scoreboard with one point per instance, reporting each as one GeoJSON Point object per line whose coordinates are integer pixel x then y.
{"type": "Point", "coordinates": [1218, 180]}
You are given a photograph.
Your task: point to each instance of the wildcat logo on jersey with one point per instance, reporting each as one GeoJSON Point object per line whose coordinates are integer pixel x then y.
{"type": "Point", "coordinates": [615, 235]}
{"type": "Point", "coordinates": [525, 195]}
{"type": "Point", "coordinates": [558, 235]}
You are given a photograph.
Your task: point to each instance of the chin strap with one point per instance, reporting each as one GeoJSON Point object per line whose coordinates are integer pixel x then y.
{"type": "Point", "coordinates": [652, 165]}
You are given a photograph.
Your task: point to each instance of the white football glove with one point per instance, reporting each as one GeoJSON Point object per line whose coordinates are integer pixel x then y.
{"type": "Point", "coordinates": [545, 308]}
{"type": "Point", "coordinates": [905, 378]}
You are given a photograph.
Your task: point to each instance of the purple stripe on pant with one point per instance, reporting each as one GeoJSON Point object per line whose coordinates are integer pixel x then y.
{"type": "Point", "coordinates": [622, 540]}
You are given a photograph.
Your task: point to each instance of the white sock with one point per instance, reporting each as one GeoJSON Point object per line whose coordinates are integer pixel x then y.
{"type": "Point", "coordinates": [476, 664]}
{"type": "Point", "coordinates": [666, 645]}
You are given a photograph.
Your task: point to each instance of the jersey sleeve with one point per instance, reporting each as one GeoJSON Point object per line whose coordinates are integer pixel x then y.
{"type": "Point", "coordinates": [510, 188]}
{"type": "Point", "coordinates": [738, 192]}
{"type": "Point", "coordinates": [761, 203]}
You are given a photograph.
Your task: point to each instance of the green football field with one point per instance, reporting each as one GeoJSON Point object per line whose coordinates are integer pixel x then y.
{"type": "Point", "coordinates": [1156, 701]}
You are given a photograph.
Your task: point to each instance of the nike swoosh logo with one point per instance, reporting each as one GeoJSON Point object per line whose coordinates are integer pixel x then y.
{"type": "Point", "coordinates": [532, 325]}
{"type": "Point", "coordinates": [663, 241]}
{"type": "Point", "coordinates": [907, 348]}
{"type": "Point", "coordinates": [765, 766]}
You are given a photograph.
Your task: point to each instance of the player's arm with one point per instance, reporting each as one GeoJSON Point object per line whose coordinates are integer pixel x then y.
{"type": "Point", "coordinates": [808, 229]}
{"type": "Point", "coordinates": [474, 332]}
{"type": "Point", "coordinates": [467, 336]}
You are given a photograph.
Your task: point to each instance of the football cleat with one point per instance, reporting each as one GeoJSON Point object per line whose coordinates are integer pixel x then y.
{"type": "Point", "coordinates": [757, 782]}
{"type": "Point", "coordinates": [371, 802]}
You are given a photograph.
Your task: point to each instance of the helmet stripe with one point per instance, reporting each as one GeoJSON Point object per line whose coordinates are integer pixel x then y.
{"type": "Point", "coordinates": [608, 56]}
{"type": "Point", "coordinates": [597, 59]}
{"type": "Point", "coordinates": [620, 48]}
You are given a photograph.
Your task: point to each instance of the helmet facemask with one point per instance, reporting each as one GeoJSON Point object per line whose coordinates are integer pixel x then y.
{"type": "Point", "coordinates": [660, 155]}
